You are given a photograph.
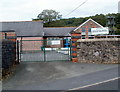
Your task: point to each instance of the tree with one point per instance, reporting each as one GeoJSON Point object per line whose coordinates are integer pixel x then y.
{"type": "Point", "coordinates": [49, 15]}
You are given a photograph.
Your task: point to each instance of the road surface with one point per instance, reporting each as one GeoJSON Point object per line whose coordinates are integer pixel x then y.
{"type": "Point", "coordinates": [59, 76]}
{"type": "Point", "coordinates": [78, 81]}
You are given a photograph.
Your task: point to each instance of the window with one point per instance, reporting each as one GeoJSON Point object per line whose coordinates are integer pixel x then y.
{"type": "Point", "coordinates": [83, 30]}
{"type": "Point", "coordinates": [89, 30]}
{"type": "Point", "coordinates": [49, 42]}
{"type": "Point", "coordinates": [83, 33]}
{"type": "Point", "coordinates": [89, 33]}
{"type": "Point", "coordinates": [83, 37]}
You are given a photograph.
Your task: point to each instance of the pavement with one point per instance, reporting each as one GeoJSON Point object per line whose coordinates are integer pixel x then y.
{"type": "Point", "coordinates": [39, 74]}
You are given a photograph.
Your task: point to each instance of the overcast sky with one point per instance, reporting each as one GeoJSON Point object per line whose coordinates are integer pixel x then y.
{"type": "Point", "coordinates": [16, 10]}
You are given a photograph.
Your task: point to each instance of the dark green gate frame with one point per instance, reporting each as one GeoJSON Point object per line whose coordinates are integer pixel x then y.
{"type": "Point", "coordinates": [54, 54]}
{"type": "Point", "coordinates": [44, 44]}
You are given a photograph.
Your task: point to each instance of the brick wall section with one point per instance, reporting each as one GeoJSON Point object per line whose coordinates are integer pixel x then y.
{"type": "Point", "coordinates": [99, 50]}
{"type": "Point", "coordinates": [31, 43]}
{"type": "Point", "coordinates": [87, 25]}
{"type": "Point", "coordinates": [74, 37]}
{"type": "Point", "coordinates": [9, 35]}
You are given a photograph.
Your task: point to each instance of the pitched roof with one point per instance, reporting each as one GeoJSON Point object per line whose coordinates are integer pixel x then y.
{"type": "Point", "coordinates": [7, 31]}
{"type": "Point", "coordinates": [24, 28]}
{"type": "Point", "coordinates": [58, 31]}
{"type": "Point", "coordinates": [86, 22]}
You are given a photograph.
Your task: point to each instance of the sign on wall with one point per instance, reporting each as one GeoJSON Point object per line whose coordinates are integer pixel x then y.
{"type": "Point", "coordinates": [98, 31]}
{"type": "Point", "coordinates": [57, 42]}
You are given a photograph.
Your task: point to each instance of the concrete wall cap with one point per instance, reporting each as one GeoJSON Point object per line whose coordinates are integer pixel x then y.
{"type": "Point", "coordinates": [92, 40]}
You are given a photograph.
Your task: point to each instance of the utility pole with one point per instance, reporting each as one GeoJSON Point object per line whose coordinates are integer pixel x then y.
{"type": "Point", "coordinates": [118, 6]}
{"type": "Point", "coordinates": [111, 24]}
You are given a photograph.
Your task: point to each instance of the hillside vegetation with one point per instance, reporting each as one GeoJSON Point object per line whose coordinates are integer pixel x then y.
{"type": "Point", "coordinates": [74, 22]}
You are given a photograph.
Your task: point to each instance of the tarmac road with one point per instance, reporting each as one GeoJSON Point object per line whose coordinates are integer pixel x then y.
{"type": "Point", "coordinates": [106, 85]}
{"type": "Point", "coordinates": [58, 75]}
{"type": "Point", "coordinates": [79, 81]}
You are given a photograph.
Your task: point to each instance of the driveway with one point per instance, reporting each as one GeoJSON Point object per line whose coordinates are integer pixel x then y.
{"type": "Point", "coordinates": [49, 55]}
{"type": "Point", "coordinates": [33, 73]}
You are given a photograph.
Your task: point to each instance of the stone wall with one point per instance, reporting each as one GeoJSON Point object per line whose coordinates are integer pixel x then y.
{"type": "Point", "coordinates": [8, 56]}
{"type": "Point", "coordinates": [99, 50]}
